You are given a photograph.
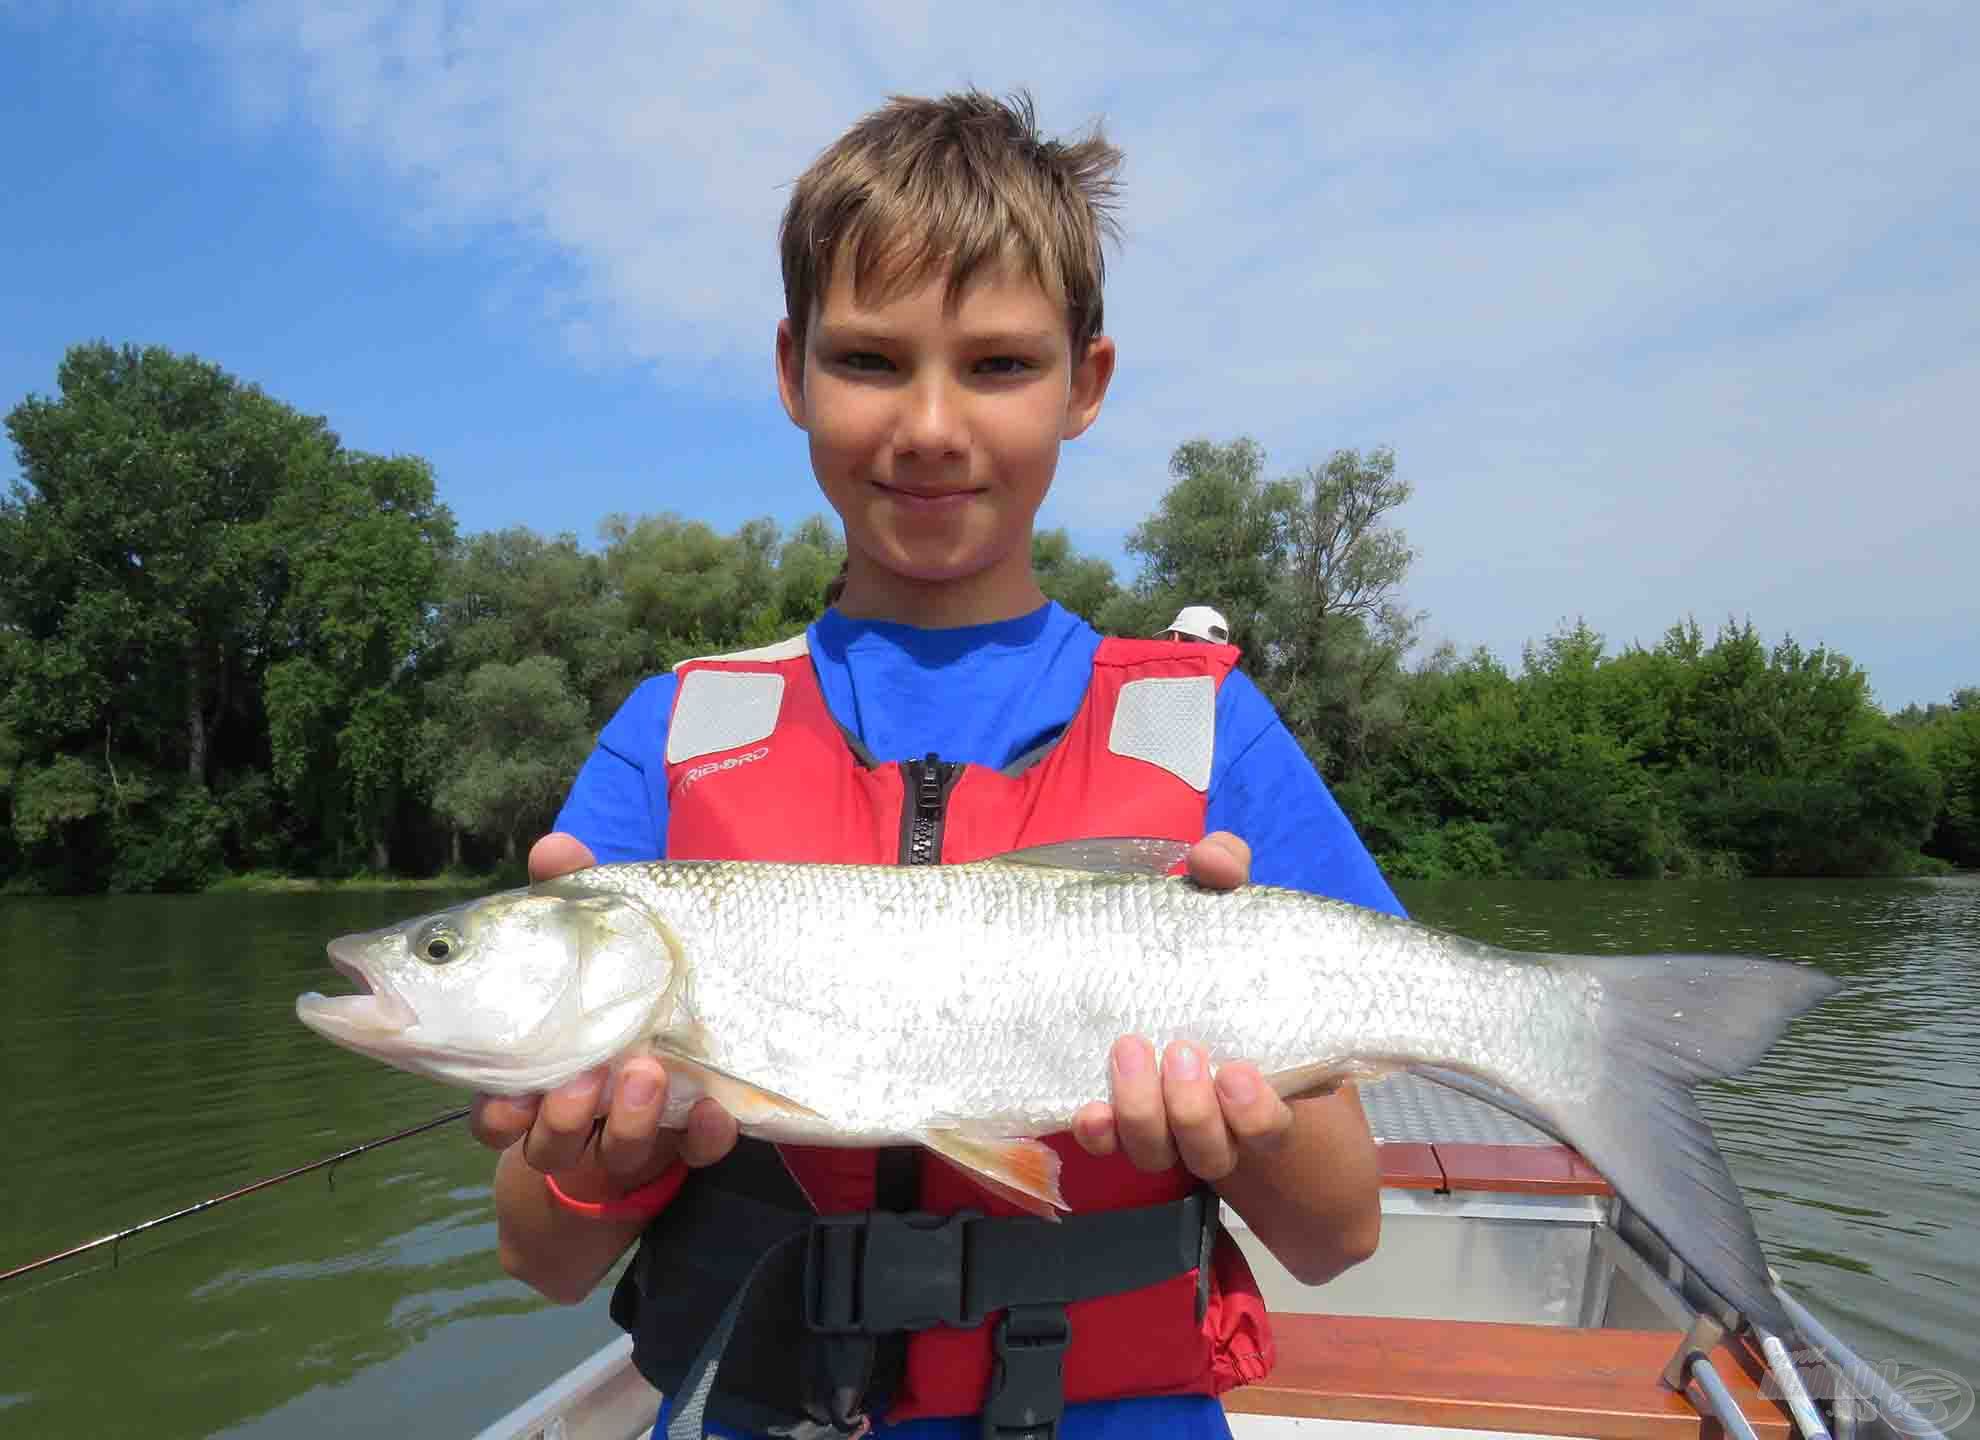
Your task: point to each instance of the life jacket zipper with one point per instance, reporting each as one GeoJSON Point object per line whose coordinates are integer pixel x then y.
{"type": "Point", "coordinates": [927, 783]}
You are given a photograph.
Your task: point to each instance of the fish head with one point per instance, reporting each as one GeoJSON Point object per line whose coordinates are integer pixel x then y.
{"type": "Point", "coordinates": [509, 994]}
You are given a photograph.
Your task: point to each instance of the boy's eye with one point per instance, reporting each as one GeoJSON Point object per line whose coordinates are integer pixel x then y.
{"type": "Point", "coordinates": [866, 361]}
{"type": "Point", "coordinates": [1003, 365]}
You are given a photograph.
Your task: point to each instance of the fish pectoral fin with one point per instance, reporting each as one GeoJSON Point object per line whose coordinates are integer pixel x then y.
{"type": "Point", "coordinates": [1119, 855]}
{"type": "Point", "coordinates": [1024, 1172]}
{"type": "Point", "coordinates": [744, 1099]}
{"type": "Point", "coordinates": [686, 1040]}
{"type": "Point", "coordinates": [1325, 1077]}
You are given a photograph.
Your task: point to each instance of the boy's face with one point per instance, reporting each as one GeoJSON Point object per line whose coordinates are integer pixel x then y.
{"type": "Point", "coordinates": [935, 430]}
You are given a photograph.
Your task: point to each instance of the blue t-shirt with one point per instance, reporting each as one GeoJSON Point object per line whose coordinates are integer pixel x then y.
{"type": "Point", "coordinates": [988, 694]}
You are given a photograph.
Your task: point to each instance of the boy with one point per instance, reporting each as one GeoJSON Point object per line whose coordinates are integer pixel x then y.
{"type": "Point", "coordinates": [942, 269]}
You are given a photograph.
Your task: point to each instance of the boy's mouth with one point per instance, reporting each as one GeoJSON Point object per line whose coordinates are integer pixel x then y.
{"type": "Point", "coordinates": [917, 495]}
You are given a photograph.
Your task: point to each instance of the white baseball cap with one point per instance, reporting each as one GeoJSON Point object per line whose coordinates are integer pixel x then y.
{"type": "Point", "coordinates": [1201, 622]}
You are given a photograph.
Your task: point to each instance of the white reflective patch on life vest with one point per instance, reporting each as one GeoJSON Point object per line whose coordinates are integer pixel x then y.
{"type": "Point", "coordinates": [1170, 723]}
{"type": "Point", "coordinates": [721, 709]}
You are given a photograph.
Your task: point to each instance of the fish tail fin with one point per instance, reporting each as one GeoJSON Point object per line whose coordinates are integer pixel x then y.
{"type": "Point", "coordinates": [1669, 1022]}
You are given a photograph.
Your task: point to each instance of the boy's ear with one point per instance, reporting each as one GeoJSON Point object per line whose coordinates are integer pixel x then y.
{"type": "Point", "coordinates": [790, 373]}
{"type": "Point", "coordinates": [1090, 378]}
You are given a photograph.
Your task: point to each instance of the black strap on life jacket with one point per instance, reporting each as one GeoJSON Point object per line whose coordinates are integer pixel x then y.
{"type": "Point", "coordinates": [758, 1315]}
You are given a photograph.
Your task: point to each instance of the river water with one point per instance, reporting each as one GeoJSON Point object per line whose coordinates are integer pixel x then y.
{"type": "Point", "coordinates": [150, 1058]}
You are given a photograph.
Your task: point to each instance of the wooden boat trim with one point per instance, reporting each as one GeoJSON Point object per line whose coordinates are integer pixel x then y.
{"type": "Point", "coordinates": [1453, 1166]}
{"type": "Point", "coordinates": [1486, 1375]}
{"type": "Point", "coordinates": [1518, 1169]}
{"type": "Point", "coordinates": [1410, 1165]}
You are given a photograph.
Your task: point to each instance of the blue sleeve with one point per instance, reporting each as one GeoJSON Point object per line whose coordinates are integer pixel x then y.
{"type": "Point", "coordinates": [618, 803]}
{"type": "Point", "coordinates": [1264, 790]}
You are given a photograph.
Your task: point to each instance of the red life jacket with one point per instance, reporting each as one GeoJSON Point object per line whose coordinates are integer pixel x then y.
{"type": "Point", "coordinates": [785, 784]}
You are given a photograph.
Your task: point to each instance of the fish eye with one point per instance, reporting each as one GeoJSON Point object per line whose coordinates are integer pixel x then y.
{"type": "Point", "coordinates": [437, 945]}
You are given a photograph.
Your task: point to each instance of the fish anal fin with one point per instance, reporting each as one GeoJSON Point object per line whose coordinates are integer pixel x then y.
{"type": "Point", "coordinates": [749, 1102]}
{"type": "Point", "coordinates": [1115, 855]}
{"type": "Point", "coordinates": [1325, 1077]}
{"type": "Point", "coordinates": [1024, 1172]}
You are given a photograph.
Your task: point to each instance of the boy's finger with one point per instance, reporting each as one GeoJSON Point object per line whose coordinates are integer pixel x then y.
{"type": "Point", "coordinates": [1220, 861]}
{"type": "Point", "coordinates": [711, 1134]}
{"type": "Point", "coordinates": [1196, 1119]}
{"type": "Point", "coordinates": [558, 854]}
{"type": "Point", "coordinates": [1140, 1119]}
{"type": "Point", "coordinates": [1253, 1112]}
{"type": "Point", "coordinates": [562, 1130]}
{"type": "Point", "coordinates": [498, 1121]}
{"type": "Point", "coordinates": [629, 1146]}
{"type": "Point", "coordinates": [1093, 1128]}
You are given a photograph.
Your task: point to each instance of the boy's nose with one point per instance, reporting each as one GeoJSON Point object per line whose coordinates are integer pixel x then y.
{"type": "Point", "coordinates": [931, 423]}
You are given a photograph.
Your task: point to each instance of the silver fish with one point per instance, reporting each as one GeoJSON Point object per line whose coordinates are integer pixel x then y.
{"type": "Point", "coordinates": [970, 1009]}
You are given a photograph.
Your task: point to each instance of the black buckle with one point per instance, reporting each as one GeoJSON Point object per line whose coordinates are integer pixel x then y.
{"type": "Point", "coordinates": [1027, 1374]}
{"type": "Point", "coordinates": [886, 1271]}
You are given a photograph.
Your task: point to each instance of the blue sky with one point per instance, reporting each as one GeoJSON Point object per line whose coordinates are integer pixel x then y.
{"type": "Point", "coordinates": [1666, 310]}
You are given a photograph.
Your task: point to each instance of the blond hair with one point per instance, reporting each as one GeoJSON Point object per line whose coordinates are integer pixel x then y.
{"type": "Point", "coordinates": [958, 184]}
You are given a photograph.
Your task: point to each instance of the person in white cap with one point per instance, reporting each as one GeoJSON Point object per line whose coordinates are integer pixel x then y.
{"type": "Point", "coordinates": [1199, 622]}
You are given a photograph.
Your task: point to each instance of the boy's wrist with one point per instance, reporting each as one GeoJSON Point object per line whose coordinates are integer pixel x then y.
{"type": "Point", "coordinates": [588, 1181]}
{"type": "Point", "coordinates": [588, 1192]}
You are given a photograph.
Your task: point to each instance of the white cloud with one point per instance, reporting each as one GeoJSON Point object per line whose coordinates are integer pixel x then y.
{"type": "Point", "coordinates": [1661, 308]}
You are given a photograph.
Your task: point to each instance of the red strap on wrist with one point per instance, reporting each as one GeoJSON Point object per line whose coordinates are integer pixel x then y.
{"type": "Point", "coordinates": [641, 1204]}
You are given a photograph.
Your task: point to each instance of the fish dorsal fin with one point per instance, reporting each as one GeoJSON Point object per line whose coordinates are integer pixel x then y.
{"type": "Point", "coordinates": [1116, 855]}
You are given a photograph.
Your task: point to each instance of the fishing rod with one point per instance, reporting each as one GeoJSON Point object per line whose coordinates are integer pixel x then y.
{"type": "Point", "coordinates": [115, 1239]}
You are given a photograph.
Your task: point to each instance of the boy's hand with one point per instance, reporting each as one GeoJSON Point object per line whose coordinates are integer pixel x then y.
{"type": "Point", "coordinates": [560, 1136]}
{"type": "Point", "coordinates": [557, 1131]}
{"type": "Point", "coordinates": [1177, 1113]}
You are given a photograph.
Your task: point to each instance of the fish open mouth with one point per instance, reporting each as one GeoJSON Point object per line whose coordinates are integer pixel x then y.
{"type": "Point", "coordinates": [373, 1012]}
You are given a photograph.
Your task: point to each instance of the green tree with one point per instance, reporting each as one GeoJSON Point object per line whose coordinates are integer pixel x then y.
{"type": "Point", "coordinates": [1336, 630]}
{"type": "Point", "coordinates": [136, 554]}
{"type": "Point", "coordinates": [1343, 556]}
{"type": "Point", "coordinates": [1431, 807]}
{"type": "Point", "coordinates": [1947, 738]}
{"type": "Point", "coordinates": [510, 594]}
{"type": "Point", "coordinates": [1309, 571]}
{"type": "Point", "coordinates": [1217, 537]}
{"type": "Point", "coordinates": [688, 590]}
{"type": "Point", "coordinates": [1645, 698]}
{"type": "Point", "coordinates": [365, 539]}
{"type": "Point", "coordinates": [807, 561]}
{"type": "Point", "coordinates": [139, 575]}
{"type": "Point", "coordinates": [514, 737]}
{"type": "Point", "coordinates": [683, 586]}
{"type": "Point", "coordinates": [1084, 584]}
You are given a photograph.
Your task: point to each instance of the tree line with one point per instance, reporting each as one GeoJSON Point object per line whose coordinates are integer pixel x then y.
{"type": "Point", "coordinates": [230, 643]}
